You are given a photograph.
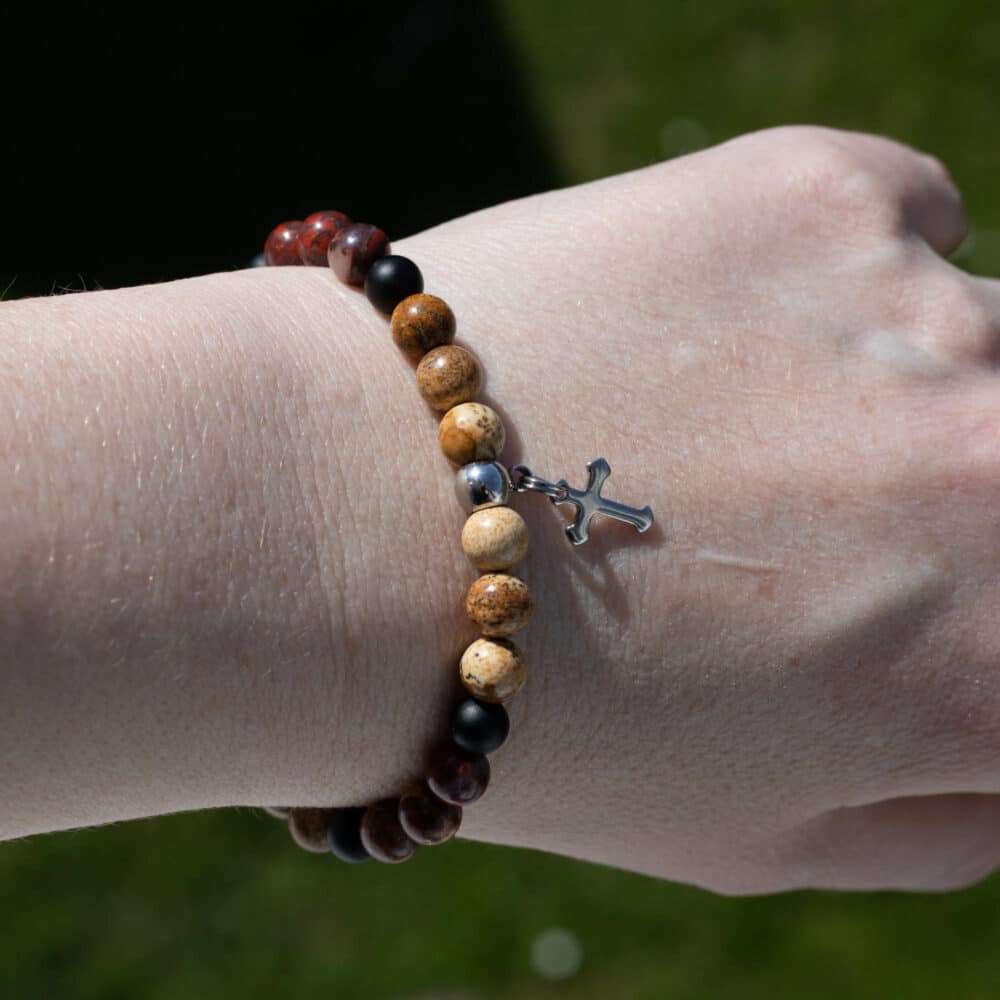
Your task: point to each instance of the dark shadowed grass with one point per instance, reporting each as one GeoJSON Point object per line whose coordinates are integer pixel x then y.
{"type": "Point", "coordinates": [623, 84]}
{"type": "Point", "coordinates": [219, 905]}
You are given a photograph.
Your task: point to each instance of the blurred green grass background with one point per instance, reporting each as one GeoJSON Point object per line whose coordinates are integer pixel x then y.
{"type": "Point", "coordinates": [221, 905]}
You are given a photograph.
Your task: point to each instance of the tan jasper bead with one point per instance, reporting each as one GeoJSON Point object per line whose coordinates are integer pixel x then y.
{"type": "Point", "coordinates": [471, 432]}
{"type": "Point", "coordinates": [499, 604]}
{"type": "Point", "coordinates": [495, 538]}
{"type": "Point", "coordinates": [420, 323]}
{"type": "Point", "coordinates": [492, 670]}
{"type": "Point", "coordinates": [448, 376]}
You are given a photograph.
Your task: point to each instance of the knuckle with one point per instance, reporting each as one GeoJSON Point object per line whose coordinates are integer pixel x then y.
{"type": "Point", "coordinates": [833, 180]}
{"type": "Point", "coordinates": [938, 308]}
{"type": "Point", "coordinates": [794, 138]}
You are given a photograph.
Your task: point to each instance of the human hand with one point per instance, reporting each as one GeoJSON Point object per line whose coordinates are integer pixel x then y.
{"type": "Point", "coordinates": [792, 679]}
{"type": "Point", "coordinates": [231, 543]}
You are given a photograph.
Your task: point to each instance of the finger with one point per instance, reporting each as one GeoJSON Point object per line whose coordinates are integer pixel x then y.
{"type": "Point", "coordinates": [929, 199]}
{"type": "Point", "coordinates": [933, 207]}
{"type": "Point", "coordinates": [932, 843]}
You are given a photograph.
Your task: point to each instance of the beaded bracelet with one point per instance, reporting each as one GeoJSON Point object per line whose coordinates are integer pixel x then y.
{"type": "Point", "coordinates": [494, 537]}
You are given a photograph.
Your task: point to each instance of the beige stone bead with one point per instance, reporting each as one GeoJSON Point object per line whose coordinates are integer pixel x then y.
{"type": "Point", "coordinates": [471, 432]}
{"type": "Point", "coordinates": [499, 604]}
{"type": "Point", "coordinates": [492, 670]}
{"type": "Point", "coordinates": [447, 376]}
{"type": "Point", "coordinates": [495, 538]}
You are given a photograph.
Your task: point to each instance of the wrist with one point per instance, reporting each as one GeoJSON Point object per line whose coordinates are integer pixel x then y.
{"type": "Point", "coordinates": [200, 607]}
{"type": "Point", "coordinates": [398, 625]}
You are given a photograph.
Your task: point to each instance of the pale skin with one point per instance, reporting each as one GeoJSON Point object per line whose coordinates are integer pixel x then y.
{"type": "Point", "coordinates": [231, 564]}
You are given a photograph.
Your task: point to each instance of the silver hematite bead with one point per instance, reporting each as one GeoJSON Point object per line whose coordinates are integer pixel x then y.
{"type": "Point", "coordinates": [482, 484]}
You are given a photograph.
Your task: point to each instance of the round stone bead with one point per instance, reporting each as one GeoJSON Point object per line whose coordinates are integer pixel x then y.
{"type": "Point", "coordinates": [479, 727]}
{"type": "Point", "coordinates": [382, 834]}
{"type": "Point", "coordinates": [420, 323]}
{"type": "Point", "coordinates": [282, 244]}
{"type": "Point", "coordinates": [278, 812]}
{"type": "Point", "coordinates": [499, 604]}
{"type": "Point", "coordinates": [471, 432]}
{"type": "Point", "coordinates": [343, 834]}
{"type": "Point", "coordinates": [391, 279]}
{"type": "Point", "coordinates": [427, 819]}
{"type": "Point", "coordinates": [482, 484]}
{"type": "Point", "coordinates": [457, 776]}
{"type": "Point", "coordinates": [354, 249]}
{"type": "Point", "coordinates": [495, 538]}
{"type": "Point", "coordinates": [315, 234]}
{"type": "Point", "coordinates": [492, 670]}
{"type": "Point", "coordinates": [308, 829]}
{"type": "Point", "coordinates": [447, 376]}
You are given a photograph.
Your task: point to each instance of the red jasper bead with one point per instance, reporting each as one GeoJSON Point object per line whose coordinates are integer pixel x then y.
{"type": "Point", "coordinates": [382, 834]}
{"type": "Point", "coordinates": [426, 818]}
{"type": "Point", "coordinates": [354, 249]}
{"type": "Point", "coordinates": [281, 246]}
{"type": "Point", "coordinates": [457, 776]}
{"type": "Point", "coordinates": [315, 235]}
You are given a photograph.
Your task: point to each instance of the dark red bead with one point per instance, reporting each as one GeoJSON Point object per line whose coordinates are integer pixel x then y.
{"type": "Point", "coordinates": [315, 235]}
{"type": "Point", "coordinates": [354, 249]}
{"type": "Point", "coordinates": [458, 776]}
{"type": "Point", "coordinates": [308, 828]}
{"type": "Point", "coordinates": [282, 246]}
{"type": "Point", "coordinates": [382, 834]}
{"type": "Point", "coordinates": [426, 818]}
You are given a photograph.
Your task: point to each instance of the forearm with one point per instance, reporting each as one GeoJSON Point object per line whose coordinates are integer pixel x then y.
{"type": "Point", "coordinates": [230, 564]}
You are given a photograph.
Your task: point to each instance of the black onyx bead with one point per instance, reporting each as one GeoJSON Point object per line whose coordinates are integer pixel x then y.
{"type": "Point", "coordinates": [390, 280]}
{"type": "Point", "coordinates": [457, 776]}
{"type": "Point", "coordinates": [343, 832]}
{"type": "Point", "coordinates": [479, 727]}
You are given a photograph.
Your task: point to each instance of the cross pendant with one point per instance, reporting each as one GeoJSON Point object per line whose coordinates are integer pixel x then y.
{"type": "Point", "coordinates": [588, 502]}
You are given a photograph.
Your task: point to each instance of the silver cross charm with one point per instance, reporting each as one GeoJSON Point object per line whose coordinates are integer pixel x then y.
{"type": "Point", "coordinates": [588, 502]}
